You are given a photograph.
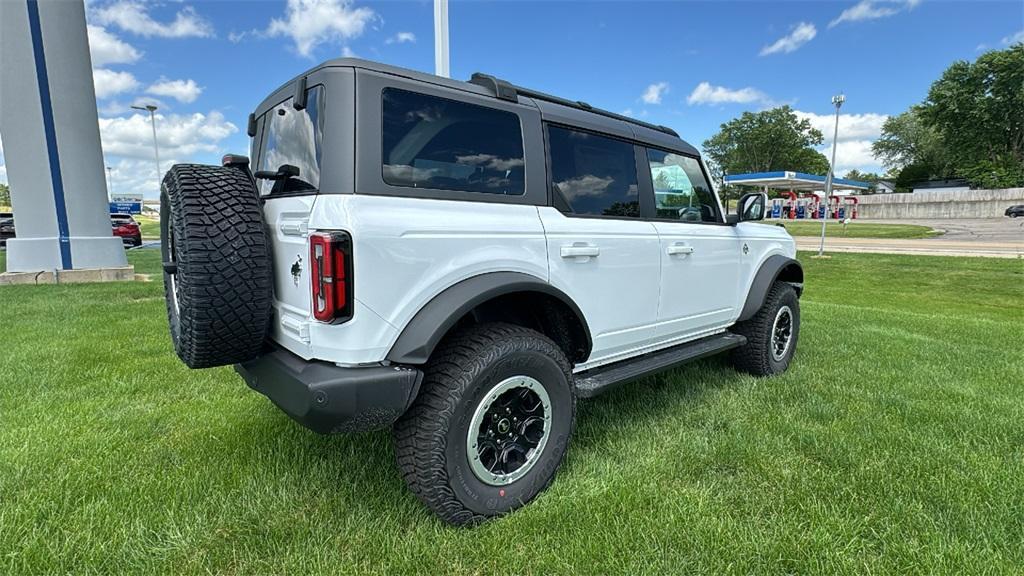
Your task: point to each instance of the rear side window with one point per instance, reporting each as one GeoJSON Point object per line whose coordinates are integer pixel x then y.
{"type": "Point", "coordinates": [432, 142]}
{"type": "Point", "coordinates": [680, 190]}
{"type": "Point", "coordinates": [294, 137]}
{"type": "Point", "coordinates": [593, 174]}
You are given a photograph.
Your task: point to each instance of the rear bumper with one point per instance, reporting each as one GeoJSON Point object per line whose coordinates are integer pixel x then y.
{"type": "Point", "coordinates": [327, 398]}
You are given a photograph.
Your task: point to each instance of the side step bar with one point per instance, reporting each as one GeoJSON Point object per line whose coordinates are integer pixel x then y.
{"type": "Point", "coordinates": [592, 382]}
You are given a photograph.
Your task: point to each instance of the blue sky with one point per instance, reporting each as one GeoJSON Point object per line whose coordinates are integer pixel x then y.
{"type": "Point", "coordinates": [688, 65]}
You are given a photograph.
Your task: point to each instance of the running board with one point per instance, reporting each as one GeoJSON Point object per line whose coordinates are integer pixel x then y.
{"type": "Point", "coordinates": [592, 382]}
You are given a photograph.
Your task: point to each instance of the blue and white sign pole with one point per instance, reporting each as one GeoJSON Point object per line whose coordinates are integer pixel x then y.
{"type": "Point", "coordinates": [51, 140]}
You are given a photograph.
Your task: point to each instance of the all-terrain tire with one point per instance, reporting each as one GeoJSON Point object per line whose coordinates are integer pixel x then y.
{"type": "Point", "coordinates": [217, 269]}
{"type": "Point", "coordinates": [756, 356]}
{"type": "Point", "coordinates": [431, 438]}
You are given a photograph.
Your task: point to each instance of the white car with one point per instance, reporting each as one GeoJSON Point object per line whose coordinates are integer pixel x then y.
{"type": "Point", "coordinates": [463, 260]}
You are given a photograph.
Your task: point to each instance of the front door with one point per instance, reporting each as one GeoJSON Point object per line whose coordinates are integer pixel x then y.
{"type": "Point", "coordinates": [600, 252]}
{"type": "Point", "coordinates": [700, 255]}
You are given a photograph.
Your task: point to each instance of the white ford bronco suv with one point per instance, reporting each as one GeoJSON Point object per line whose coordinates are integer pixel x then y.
{"type": "Point", "coordinates": [462, 261]}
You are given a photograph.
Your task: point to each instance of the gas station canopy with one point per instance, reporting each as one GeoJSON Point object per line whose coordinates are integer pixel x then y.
{"type": "Point", "coordinates": [792, 181]}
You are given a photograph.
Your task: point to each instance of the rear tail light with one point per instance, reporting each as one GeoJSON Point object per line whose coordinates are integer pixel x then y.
{"type": "Point", "coordinates": [330, 256]}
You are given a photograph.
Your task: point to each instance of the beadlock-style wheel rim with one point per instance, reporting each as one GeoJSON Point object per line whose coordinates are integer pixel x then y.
{"type": "Point", "coordinates": [172, 277]}
{"type": "Point", "coordinates": [509, 430]}
{"type": "Point", "coordinates": [782, 333]}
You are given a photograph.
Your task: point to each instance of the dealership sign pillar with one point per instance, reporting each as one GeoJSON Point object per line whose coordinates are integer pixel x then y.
{"type": "Point", "coordinates": [51, 140]}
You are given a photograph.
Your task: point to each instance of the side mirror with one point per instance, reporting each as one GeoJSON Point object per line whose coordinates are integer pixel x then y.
{"type": "Point", "coordinates": [750, 208]}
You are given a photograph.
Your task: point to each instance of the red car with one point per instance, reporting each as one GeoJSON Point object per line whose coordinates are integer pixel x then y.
{"type": "Point", "coordinates": [127, 228]}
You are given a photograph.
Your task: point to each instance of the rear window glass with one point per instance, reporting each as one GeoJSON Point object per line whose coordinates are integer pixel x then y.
{"type": "Point", "coordinates": [593, 174]}
{"type": "Point", "coordinates": [432, 142]}
{"type": "Point", "coordinates": [294, 137]}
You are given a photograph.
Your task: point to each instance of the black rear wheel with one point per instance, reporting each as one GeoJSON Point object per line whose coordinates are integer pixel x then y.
{"type": "Point", "coordinates": [491, 423]}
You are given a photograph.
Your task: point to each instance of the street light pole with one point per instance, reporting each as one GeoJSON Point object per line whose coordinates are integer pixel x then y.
{"type": "Point", "coordinates": [838, 102]}
{"type": "Point", "coordinates": [156, 150]}
{"type": "Point", "coordinates": [441, 62]}
{"type": "Point", "coordinates": [110, 181]}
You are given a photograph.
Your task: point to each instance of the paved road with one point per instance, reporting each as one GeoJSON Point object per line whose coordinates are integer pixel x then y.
{"type": "Point", "coordinates": [985, 230]}
{"type": "Point", "coordinates": [1000, 238]}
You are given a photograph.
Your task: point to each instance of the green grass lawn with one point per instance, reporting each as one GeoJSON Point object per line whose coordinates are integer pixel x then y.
{"type": "Point", "coordinates": [859, 230]}
{"type": "Point", "coordinates": [895, 444]}
{"type": "Point", "coordinates": [150, 226]}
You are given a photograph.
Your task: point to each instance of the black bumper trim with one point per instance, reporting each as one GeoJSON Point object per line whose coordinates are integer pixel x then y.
{"type": "Point", "coordinates": [327, 398]}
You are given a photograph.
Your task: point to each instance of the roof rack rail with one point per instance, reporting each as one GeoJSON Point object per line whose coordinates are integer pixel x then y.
{"type": "Point", "coordinates": [507, 91]}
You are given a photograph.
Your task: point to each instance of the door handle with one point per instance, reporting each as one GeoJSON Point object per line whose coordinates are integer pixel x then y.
{"type": "Point", "coordinates": [579, 250]}
{"type": "Point", "coordinates": [679, 249]}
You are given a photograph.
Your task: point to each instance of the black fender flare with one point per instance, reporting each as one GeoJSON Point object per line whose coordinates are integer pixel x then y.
{"type": "Point", "coordinates": [774, 268]}
{"type": "Point", "coordinates": [421, 335]}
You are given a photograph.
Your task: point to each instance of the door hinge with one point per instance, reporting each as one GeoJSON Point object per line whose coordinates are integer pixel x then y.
{"type": "Point", "coordinates": [297, 327]}
{"type": "Point", "coordinates": [294, 227]}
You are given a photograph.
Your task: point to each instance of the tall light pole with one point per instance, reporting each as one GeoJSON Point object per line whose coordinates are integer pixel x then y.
{"type": "Point", "coordinates": [110, 181]}
{"type": "Point", "coordinates": [441, 62]}
{"type": "Point", "coordinates": [156, 150]}
{"type": "Point", "coordinates": [837, 101]}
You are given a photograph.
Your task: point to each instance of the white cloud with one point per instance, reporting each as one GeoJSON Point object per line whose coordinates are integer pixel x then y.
{"type": "Point", "coordinates": [109, 82]}
{"type": "Point", "coordinates": [856, 134]}
{"type": "Point", "coordinates": [705, 93]}
{"type": "Point", "coordinates": [181, 90]}
{"type": "Point", "coordinates": [310, 23]}
{"type": "Point", "coordinates": [1014, 38]}
{"type": "Point", "coordinates": [654, 92]}
{"type": "Point", "coordinates": [872, 10]}
{"type": "Point", "coordinates": [401, 38]}
{"type": "Point", "coordinates": [801, 34]}
{"type": "Point", "coordinates": [134, 17]}
{"type": "Point", "coordinates": [851, 126]}
{"type": "Point", "coordinates": [107, 48]}
{"type": "Point", "coordinates": [179, 136]}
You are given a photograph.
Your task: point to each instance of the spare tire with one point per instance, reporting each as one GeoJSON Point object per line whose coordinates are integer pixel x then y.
{"type": "Point", "coordinates": [217, 269]}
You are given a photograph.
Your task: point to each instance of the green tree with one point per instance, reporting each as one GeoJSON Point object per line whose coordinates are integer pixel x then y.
{"type": "Point", "coordinates": [5, 194]}
{"type": "Point", "coordinates": [765, 141]}
{"type": "Point", "coordinates": [978, 108]}
{"type": "Point", "coordinates": [908, 140]}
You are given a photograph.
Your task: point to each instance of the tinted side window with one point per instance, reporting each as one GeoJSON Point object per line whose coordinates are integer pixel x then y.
{"type": "Point", "coordinates": [593, 174]}
{"type": "Point", "coordinates": [431, 142]}
{"type": "Point", "coordinates": [294, 137]}
{"type": "Point", "coordinates": [680, 190]}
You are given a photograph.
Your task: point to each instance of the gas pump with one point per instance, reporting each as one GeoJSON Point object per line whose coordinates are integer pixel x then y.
{"type": "Point", "coordinates": [816, 207]}
{"type": "Point", "coordinates": [790, 205]}
{"type": "Point", "coordinates": [776, 208]}
{"type": "Point", "coordinates": [852, 211]}
{"type": "Point", "coordinates": [835, 207]}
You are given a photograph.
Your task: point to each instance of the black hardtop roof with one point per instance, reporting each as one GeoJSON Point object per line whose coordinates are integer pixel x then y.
{"type": "Point", "coordinates": [483, 84]}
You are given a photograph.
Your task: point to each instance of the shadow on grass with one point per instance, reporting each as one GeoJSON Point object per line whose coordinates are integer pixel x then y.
{"type": "Point", "coordinates": [357, 473]}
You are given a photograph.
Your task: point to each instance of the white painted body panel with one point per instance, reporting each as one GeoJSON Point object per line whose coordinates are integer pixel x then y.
{"type": "Point", "coordinates": [617, 290]}
{"type": "Point", "coordinates": [699, 289]}
{"type": "Point", "coordinates": [635, 296]}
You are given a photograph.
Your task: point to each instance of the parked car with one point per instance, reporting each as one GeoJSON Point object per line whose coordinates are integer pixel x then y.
{"type": "Point", "coordinates": [1015, 211]}
{"type": "Point", "coordinates": [462, 261]}
{"type": "Point", "coordinates": [6, 227]}
{"type": "Point", "coordinates": [125, 226]}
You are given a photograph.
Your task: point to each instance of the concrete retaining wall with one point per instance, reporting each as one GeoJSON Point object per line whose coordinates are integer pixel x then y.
{"type": "Point", "coordinates": [953, 204]}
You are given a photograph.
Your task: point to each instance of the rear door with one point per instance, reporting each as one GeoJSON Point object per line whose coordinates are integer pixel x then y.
{"type": "Point", "coordinates": [298, 138]}
{"type": "Point", "coordinates": [700, 255]}
{"type": "Point", "coordinates": [600, 252]}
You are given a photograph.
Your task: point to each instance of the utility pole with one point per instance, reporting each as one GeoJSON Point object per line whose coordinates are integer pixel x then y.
{"type": "Point", "coordinates": [156, 150]}
{"type": "Point", "coordinates": [441, 62]}
{"type": "Point", "coordinates": [110, 181]}
{"type": "Point", "coordinates": [837, 101]}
